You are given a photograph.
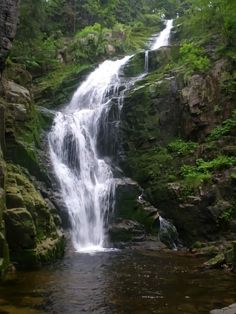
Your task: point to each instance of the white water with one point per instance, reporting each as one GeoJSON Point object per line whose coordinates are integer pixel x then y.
{"type": "Point", "coordinates": [146, 61]}
{"type": "Point", "coordinates": [163, 39]}
{"type": "Point", "coordinates": [86, 179]}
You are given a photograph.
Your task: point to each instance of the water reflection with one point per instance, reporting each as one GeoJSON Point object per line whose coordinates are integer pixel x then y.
{"type": "Point", "coordinates": [127, 281]}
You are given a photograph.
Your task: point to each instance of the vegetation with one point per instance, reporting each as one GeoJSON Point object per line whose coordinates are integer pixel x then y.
{"type": "Point", "coordinates": [181, 147]}
{"type": "Point", "coordinates": [224, 129]}
{"type": "Point", "coordinates": [60, 32]}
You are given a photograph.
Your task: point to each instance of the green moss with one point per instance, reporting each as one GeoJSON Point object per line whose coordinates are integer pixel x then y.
{"type": "Point", "coordinates": [36, 219]}
{"type": "Point", "coordinates": [150, 165]}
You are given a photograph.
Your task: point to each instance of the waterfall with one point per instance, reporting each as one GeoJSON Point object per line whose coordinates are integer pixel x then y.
{"type": "Point", "coordinates": [85, 176]}
{"type": "Point", "coordinates": [163, 38]}
{"type": "Point", "coordinates": [146, 61]}
{"type": "Point", "coordinates": [85, 179]}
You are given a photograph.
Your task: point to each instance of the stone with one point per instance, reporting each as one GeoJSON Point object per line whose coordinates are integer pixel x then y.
{"type": "Point", "coordinates": [110, 49]}
{"type": "Point", "coordinates": [231, 309]}
{"type": "Point", "coordinates": [14, 200]}
{"type": "Point", "coordinates": [126, 230]}
{"type": "Point", "coordinates": [20, 227]}
{"type": "Point", "coordinates": [127, 192]}
{"type": "Point", "coordinates": [8, 24]}
{"type": "Point", "coordinates": [20, 112]}
{"type": "Point", "coordinates": [2, 126]}
{"type": "Point", "coordinates": [234, 256]}
{"type": "Point", "coordinates": [16, 93]}
{"type": "Point", "coordinates": [216, 262]}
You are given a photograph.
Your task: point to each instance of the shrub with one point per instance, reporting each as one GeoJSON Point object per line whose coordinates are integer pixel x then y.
{"type": "Point", "coordinates": [221, 162]}
{"type": "Point", "coordinates": [181, 147]}
{"type": "Point", "coordinates": [192, 58]}
{"type": "Point", "coordinates": [224, 129]}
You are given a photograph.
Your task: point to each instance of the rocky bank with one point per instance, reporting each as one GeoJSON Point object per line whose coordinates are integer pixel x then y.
{"type": "Point", "coordinates": [30, 229]}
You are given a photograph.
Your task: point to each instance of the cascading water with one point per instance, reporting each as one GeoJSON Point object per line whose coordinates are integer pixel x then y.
{"type": "Point", "coordinates": [86, 179]}
{"type": "Point", "coordinates": [163, 38]}
{"type": "Point", "coordinates": [146, 61]}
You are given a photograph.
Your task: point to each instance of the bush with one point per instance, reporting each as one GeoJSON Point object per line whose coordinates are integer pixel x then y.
{"type": "Point", "coordinates": [221, 162]}
{"type": "Point", "coordinates": [181, 147]}
{"type": "Point", "coordinates": [201, 173]}
{"type": "Point", "coordinates": [224, 129]}
{"type": "Point", "coordinates": [192, 58]}
{"type": "Point", "coordinates": [193, 177]}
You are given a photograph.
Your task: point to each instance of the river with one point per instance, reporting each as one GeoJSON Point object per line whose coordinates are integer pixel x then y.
{"type": "Point", "coordinates": [132, 280]}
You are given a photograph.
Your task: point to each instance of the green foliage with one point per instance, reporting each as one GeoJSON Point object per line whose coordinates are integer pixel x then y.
{"type": "Point", "coordinates": [216, 19]}
{"type": "Point", "coordinates": [227, 215]}
{"type": "Point", "coordinates": [152, 19]}
{"type": "Point", "coordinates": [228, 84]}
{"type": "Point", "coordinates": [181, 147]}
{"type": "Point", "coordinates": [201, 173]}
{"type": "Point", "coordinates": [224, 129]}
{"type": "Point", "coordinates": [192, 58]}
{"type": "Point", "coordinates": [193, 177]}
{"type": "Point", "coordinates": [151, 164]}
{"type": "Point", "coordinates": [218, 163]}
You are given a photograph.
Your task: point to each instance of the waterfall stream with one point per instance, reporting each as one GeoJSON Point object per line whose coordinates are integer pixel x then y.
{"type": "Point", "coordinates": [85, 177]}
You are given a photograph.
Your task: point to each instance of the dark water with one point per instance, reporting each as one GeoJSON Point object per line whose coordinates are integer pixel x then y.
{"type": "Point", "coordinates": [126, 281]}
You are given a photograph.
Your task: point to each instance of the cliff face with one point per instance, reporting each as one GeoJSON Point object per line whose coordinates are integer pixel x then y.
{"type": "Point", "coordinates": [30, 232]}
{"type": "Point", "coordinates": [8, 25]}
{"type": "Point", "coordinates": [179, 144]}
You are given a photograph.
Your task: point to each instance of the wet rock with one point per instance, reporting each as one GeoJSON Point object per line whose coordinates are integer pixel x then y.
{"type": "Point", "coordinates": [126, 230]}
{"type": "Point", "coordinates": [231, 309]}
{"type": "Point", "coordinates": [21, 231]}
{"type": "Point", "coordinates": [216, 262]}
{"type": "Point", "coordinates": [127, 192]}
{"type": "Point", "coordinates": [33, 230]}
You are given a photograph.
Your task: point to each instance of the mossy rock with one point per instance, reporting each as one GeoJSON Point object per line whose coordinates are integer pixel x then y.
{"type": "Point", "coordinates": [126, 230]}
{"type": "Point", "coordinates": [216, 262]}
{"type": "Point", "coordinates": [33, 233]}
{"type": "Point", "coordinates": [20, 227]}
{"type": "Point", "coordinates": [46, 252]}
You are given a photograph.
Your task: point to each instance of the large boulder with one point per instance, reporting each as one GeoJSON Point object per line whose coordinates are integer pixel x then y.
{"type": "Point", "coordinates": [33, 230]}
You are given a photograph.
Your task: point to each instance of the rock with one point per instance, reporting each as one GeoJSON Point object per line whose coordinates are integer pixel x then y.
{"type": "Point", "coordinates": [234, 256]}
{"type": "Point", "coordinates": [126, 230]}
{"type": "Point", "coordinates": [2, 126]}
{"type": "Point", "coordinates": [168, 233]}
{"type": "Point", "coordinates": [110, 50]}
{"type": "Point", "coordinates": [32, 226]}
{"type": "Point", "coordinates": [231, 309]}
{"type": "Point", "coordinates": [215, 262]}
{"type": "Point", "coordinates": [20, 112]}
{"type": "Point", "coordinates": [16, 93]}
{"type": "Point", "coordinates": [21, 230]}
{"type": "Point", "coordinates": [8, 25]}
{"type": "Point", "coordinates": [127, 192]}
{"type": "Point", "coordinates": [14, 199]}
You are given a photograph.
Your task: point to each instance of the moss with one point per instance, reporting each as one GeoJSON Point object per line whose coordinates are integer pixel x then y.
{"type": "Point", "coordinates": [57, 88]}
{"type": "Point", "coordinates": [33, 236]}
